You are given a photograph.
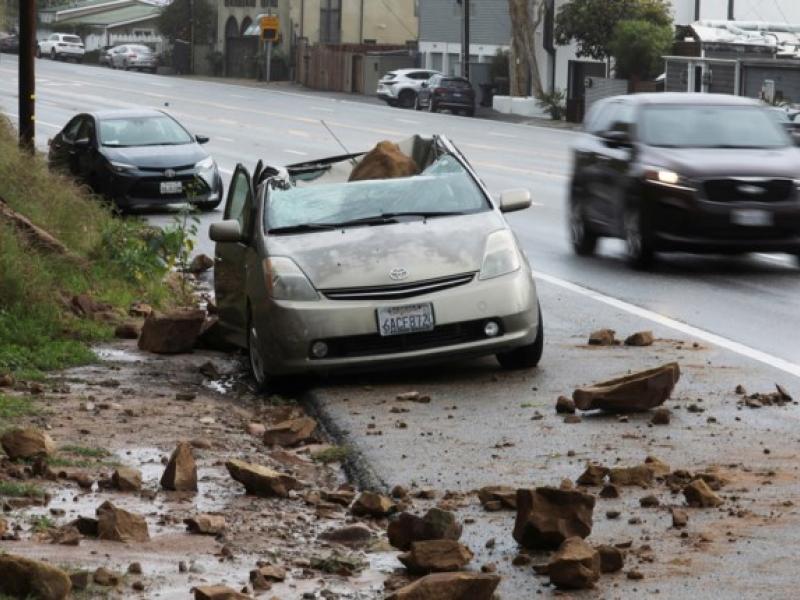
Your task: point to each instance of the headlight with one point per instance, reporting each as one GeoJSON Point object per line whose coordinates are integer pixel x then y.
{"type": "Point", "coordinates": [205, 164]}
{"type": "Point", "coordinates": [501, 255]}
{"type": "Point", "coordinates": [667, 178]}
{"type": "Point", "coordinates": [122, 167]}
{"type": "Point", "coordinates": [286, 281]}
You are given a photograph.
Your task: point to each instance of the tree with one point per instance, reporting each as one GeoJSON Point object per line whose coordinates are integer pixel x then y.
{"type": "Point", "coordinates": [175, 21]}
{"type": "Point", "coordinates": [591, 23]}
{"type": "Point", "coordinates": [638, 48]}
{"type": "Point", "coordinates": [526, 17]}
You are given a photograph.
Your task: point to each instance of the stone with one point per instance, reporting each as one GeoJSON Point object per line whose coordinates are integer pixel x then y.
{"type": "Point", "coordinates": [181, 472]}
{"type": "Point", "coordinates": [340, 497]}
{"type": "Point", "coordinates": [128, 331]}
{"type": "Point", "coordinates": [106, 578]}
{"type": "Point", "coordinates": [635, 575]}
{"type": "Point", "coordinates": [218, 592]}
{"type": "Point", "coordinates": [172, 333]}
{"type": "Point", "coordinates": [435, 556]}
{"type": "Point", "coordinates": [137, 586]}
{"type": "Point", "coordinates": [609, 491]}
{"type": "Point", "coordinates": [399, 492]}
{"type": "Point", "coordinates": [436, 524]}
{"type": "Point", "coordinates": [450, 586]}
{"type": "Point", "coordinates": [22, 578]}
{"type": "Point", "coordinates": [658, 467]}
{"type": "Point", "coordinates": [575, 566]}
{"type": "Point", "coordinates": [640, 338]}
{"type": "Point", "coordinates": [86, 526]}
{"type": "Point", "coordinates": [291, 432]}
{"type": "Point", "coordinates": [86, 306]}
{"type": "Point", "coordinates": [699, 495]}
{"type": "Point", "coordinates": [372, 504]}
{"type": "Point", "coordinates": [119, 525]}
{"type": "Point", "coordinates": [613, 514]}
{"type": "Point", "coordinates": [602, 337]}
{"type": "Point", "coordinates": [352, 536]}
{"type": "Point", "coordinates": [206, 524]}
{"type": "Point", "coordinates": [256, 429]}
{"type": "Point", "coordinates": [649, 501]}
{"type": "Point", "coordinates": [639, 475]}
{"type": "Point", "coordinates": [272, 572]}
{"type": "Point", "coordinates": [80, 580]}
{"type": "Point", "coordinates": [201, 263]}
{"type": "Point", "coordinates": [521, 560]}
{"type": "Point", "coordinates": [572, 419]}
{"type": "Point", "coordinates": [546, 516]}
{"type": "Point", "coordinates": [505, 495]}
{"type": "Point", "coordinates": [661, 416]}
{"type": "Point", "coordinates": [593, 475]}
{"type": "Point", "coordinates": [680, 518]}
{"type": "Point", "coordinates": [261, 481]}
{"type": "Point", "coordinates": [66, 536]}
{"type": "Point", "coordinates": [127, 479]}
{"type": "Point", "coordinates": [135, 568]}
{"type": "Point", "coordinates": [6, 380]}
{"type": "Point", "coordinates": [185, 396]}
{"type": "Point", "coordinates": [385, 161]}
{"type": "Point", "coordinates": [26, 443]}
{"type": "Point", "coordinates": [637, 392]}
{"type": "Point", "coordinates": [612, 559]}
{"type": "Point", "coordinates": [565, 406]}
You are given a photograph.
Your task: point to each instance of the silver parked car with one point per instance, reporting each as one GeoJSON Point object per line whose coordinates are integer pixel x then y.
{"type": "Point", "coordinates": [133, 56]}
{"type": "Point", "coordinates": [316, 273]}
{"type": "Point", "coordinates": [400, 87]}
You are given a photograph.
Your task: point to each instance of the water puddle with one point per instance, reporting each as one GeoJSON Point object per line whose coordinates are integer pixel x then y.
{"type": "Point", "coordinates": [109, 354]}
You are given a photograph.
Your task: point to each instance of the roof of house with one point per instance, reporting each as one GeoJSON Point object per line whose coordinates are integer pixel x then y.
{"type": "Point", "coordinates": [80, 5]}
{"type": "Point", "coordinates": [126, 14]}
{"type": "Point", "coordinates": [782, 37]}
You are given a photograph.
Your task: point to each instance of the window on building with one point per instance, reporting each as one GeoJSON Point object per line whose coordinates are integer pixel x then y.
{"type": "Point", "coordinates": [330, 21]}
{"type": "Point", "coordinates": [269, 3]}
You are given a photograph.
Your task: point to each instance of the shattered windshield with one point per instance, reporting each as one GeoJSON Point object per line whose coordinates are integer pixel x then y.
{"type": "Point", "coordinates": [444, 188]}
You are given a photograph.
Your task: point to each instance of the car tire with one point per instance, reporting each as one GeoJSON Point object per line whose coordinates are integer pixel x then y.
{"type": "Point", "coordinates": [53, 55]}
{"type": "Point", "coordinates": [392, 103]}
{"type": "Point", "coordinates": [638, 238]}
{"type": "Point", "coordinates": [584, 240]}
{"type": "Point", "coordinates": [207, 206]}
{"type": "Point", "coordinates": [254, 358]}
{"type": "Point", "coordinates": [432, 106]}
{"type": "Point", "coordinates": [525, 357]}
{"type": "Point", "coordinates": [38, 52]}
{"type": "Point", "coordinates": [407, 98]}
{"type": "Point", "coordinates": [417, 105]}
{"type": "Point", "coordinates": [470, 112]}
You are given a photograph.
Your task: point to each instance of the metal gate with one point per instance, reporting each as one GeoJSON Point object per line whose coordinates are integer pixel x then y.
{"type": "Point", "coordinates": [241, 57]}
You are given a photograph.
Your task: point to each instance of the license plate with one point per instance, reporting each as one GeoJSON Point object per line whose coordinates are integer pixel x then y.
{"type": "Point", "coordinates": [456, 95]}
{"type": "Point", "coordinates": [751, 217]}
{"type": "Point", "coordinates": [171, 187]}
{"type": "Point", "coordinates": [397, 320]}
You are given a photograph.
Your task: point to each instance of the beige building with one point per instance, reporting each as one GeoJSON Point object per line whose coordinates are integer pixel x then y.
{"type": "Point", "coordinates": [392, 22]}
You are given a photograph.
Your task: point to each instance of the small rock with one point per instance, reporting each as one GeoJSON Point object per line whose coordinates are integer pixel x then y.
{"type": "Point", "coordinates": [185, 396]}
{"type": "Point", "coordinates": [373, 505]}
{"type": "Point", "coordinates": [547, 516]}
{"type": "Point", "coordinates": [181, 472]}
{"type": "Point", "coordinates": [206, 524]}
{"type": "Point", "coordinates": [625, 476]}
{"type": "Point", "coordinates": [740, 389]}
{"type": "Point", "coordinates": [27, 443]}
{"type": "Point", "coordinates": [436, 556]}
{"type": "Point", "coordinates": [680, 518]}
{"type": "Point", "coordinates": [66, 536]}
{"type": "Point", "coordinates": [575, 566]}
{"type": "Point", "coordinates": [565, 406]}
{"type": "Point", "coordinates": [106, 578]}
{"type": "Point", "coordinates": [521, 560]}
{"type": "Point", "coordinates": [172, 333]}
{"type": "Point", "coordinates": [201, 263]}
{"type": "Point", "coordinates": [127, 479]}
{"type": "Point", "coordinates": [436, 524]}
{"type": "Point", "coordinates": [613, 514]}
{"type": "Point", "coordinates": [119, 525]}
{"type": "Point", "coordinates": [352, 536]}
{"type": "Point", "coordinates": [661, 416]}
{"type": "Point", "coordinates": [636, 392]}
{"type": "Point", "coordinates": [256, 429]}
{"type": "Point", "coordinates": [572, 419]}
{"type": "Point", "coordinates": [261, 481]}
{"type": "Point", "coordinates": [698, 494]}
{"type": "Point", "coordinates": [291, 432]}
{"type": "Point", "coordinates": [593, 475]}
{"type": "Point", "coordinates": [505, 495]}
{"type": "Point", "coordinates": [450, 586]}
{"type": "Point", "coordinates": [641, 338]}
{"type": "Point", "coordinates": [128, 331]}
{"type": "Point", "coordinates": [603, 337]}
{"type": "Point", "coordinates": [6, 380]}
{"type": "Point", "coordinates": [137, 586]}
{"type": "Point", "coordinates": [413, 397]}
{"type": "Point", "coordinates": [399, 491]}
{"type": "Point", "coordinates": [79, 580]}
{"type": "Point", "coordinates": [609, 491]}
{"type": "Point", "coordinates": [218, 592]}
{"type": "Point", "coordinates": [635, 575]}
{"type": "Point", "coordinates": [135, 568]}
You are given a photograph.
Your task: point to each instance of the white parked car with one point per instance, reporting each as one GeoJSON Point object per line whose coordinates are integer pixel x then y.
{"type": "Point", "coordinates": [61, 45]}
{"type": "Point", "coordinates": [399, 88]}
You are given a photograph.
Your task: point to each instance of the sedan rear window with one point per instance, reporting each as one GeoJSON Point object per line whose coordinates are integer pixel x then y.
{"type": "Point", "coordinates": [72, 39]}
{"type": "Point", "coordinates": [142, 131]}
{"type": "Point", "coordinates": [684, 126]}
{"type": "Point", "coordinates": [456, 84]}
{"type": "Point", "coordinates": [443, 188]}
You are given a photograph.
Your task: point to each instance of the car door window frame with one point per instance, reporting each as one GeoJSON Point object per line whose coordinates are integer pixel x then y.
{"type": "Point", "coordinates": [71, 129]}
{"type": "Point", "coordinates": [243, 215]}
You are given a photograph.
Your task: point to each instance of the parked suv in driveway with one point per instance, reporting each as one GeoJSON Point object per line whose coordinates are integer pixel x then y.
{"type": "Point", "coordinates": [453, 93]}
{"type": "Point", "coordinates": [401, 87]}
{"type": "Point", "coordinates": [63, 46]}
{"type": "Point", "coordinates": [686, 172]}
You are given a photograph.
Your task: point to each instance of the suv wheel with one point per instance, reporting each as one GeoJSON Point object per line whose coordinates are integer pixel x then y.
{"type": "Point", "coordinates": [417, 105]}
{"type": "Point", "coordinates": [407, 98]}
{"type": "Point", "coordinates": [525, 357]}
{"type": "Point", "coordinates": [38, 52]}
{"type": "Point", "coordinates": [254, 354]}
{"type": "Point", "coordinates": [638, 239]}
{"type": "Point", "coordinates": [584, 240]}
{"type": "Point", "coordinates": [53, 55]}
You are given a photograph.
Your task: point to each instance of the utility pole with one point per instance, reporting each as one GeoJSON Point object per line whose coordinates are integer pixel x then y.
{"type": "Point", "coordinates": [465, 40]}
{"type": "Point", "coordinates": [696, 10]}
{"type": "Point", "coordinates": [27, 77]}
{"type": "Point", "coordinates": [730, 10]}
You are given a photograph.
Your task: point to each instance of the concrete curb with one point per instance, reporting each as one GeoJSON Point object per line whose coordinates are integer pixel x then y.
{"type": "Point", "coordinates": [356, 466]}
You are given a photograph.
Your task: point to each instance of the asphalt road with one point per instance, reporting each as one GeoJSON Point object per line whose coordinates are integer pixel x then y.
{"type": "Point", "coordinates": [751, 300]}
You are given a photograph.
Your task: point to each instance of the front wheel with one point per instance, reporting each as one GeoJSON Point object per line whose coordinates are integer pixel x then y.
{"type": "Point", "coordinates": [53, 55]}
{"type": "Point", "coordinates": [407, 98]}
{"type": "Point", "coordinates": [207, 206]}
{"type": "Point", "coordinates": [638, 239]}
{"type": "Point", "coordinates": [584, 241]}
{"type": "Point", "coordinates": [525, 357]}
{"type": "Point", "coordinates": [256, 359]}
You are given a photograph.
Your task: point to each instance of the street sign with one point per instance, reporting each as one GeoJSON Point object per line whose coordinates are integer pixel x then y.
{"type": "Point", "coordinates": [270, 27]}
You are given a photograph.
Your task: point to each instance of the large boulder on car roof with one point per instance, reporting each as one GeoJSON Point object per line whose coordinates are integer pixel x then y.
{"type": "Point", "coordinates": [384, 161]}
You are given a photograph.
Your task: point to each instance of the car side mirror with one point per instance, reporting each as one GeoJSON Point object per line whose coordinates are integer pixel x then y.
{"type": "Point", "coordinates": [513, 200]}
{"type": "Point", "coordinates": [225, 231]}
{"type": "Point", "coordinates": [616, 138]}
{"type": "Point", "coordinates": [202, 139]}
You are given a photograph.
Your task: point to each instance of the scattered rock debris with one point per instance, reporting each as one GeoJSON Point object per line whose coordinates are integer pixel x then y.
{"type": "Point", "coordinates": [631, 393]}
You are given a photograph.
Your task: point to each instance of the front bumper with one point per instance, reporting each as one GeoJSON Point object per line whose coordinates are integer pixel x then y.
{"type": "Point", "coordinates": [288, 329]}
{"type": "Point", "coordinates": [70, 52]}
{"type": "Point", "coordinates": [132, 190]}
{"type": "Point", "coordinates": [687, 221]}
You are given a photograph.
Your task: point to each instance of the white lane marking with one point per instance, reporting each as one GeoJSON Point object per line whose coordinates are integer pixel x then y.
{"type": "Point", "coordinates": [225, 121]}
{"type": "Point", "coordinates": [322, 109]}
{"type": "Point", "coordinates": [238, 96]}
{"type": "Point", "coordinates": [297, 152]}
{"type": "Point", "coordinates": [224, 139]}
{"type": "Point", "coordinates": [499, 167]}
{"type": "Point", "coordinates": [409, 121]}
{"type": "Point", "coordinates": [299, 133]}
{"type": "Point", "coordinates": [695, 332]}
{"type": "Point", "coordinates": [502, 135]}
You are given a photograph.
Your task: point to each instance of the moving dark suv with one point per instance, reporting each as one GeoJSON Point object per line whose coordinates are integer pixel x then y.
{"type": "Point", "coordinates": [454, 93]}
{"type": "Point", "coordinates": [688, 172]}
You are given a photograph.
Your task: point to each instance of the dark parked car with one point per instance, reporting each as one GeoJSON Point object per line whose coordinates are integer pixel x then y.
{"type": "Point", "coordinates": [138, 158]}
{"type": "Point", "coordinates": [9, 44]}
{"type": "Point", "coordinates": [454, 93]}
{"type": "Point", "coordinates": [685, 172]}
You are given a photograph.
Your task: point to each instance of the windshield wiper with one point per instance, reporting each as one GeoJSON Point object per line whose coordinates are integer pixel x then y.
{"type": "Point", "coordinates": [382, 219]}
{"type": "Point", "coordinates": [305, 227]}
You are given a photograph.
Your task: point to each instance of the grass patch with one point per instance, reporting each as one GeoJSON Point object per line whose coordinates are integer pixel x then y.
{"type": "Point", "coordinates": [119, 261]}
{"type": "Point", "coordinates": [42, 523]}
{"type": "Point", "coordinates": [86, 451]}
{"type": "Point", "coordinates": [15, 406]}
{"type": "Point", "coordinates": [332, 454]}
{"type": "Point", "coordinates": [15, 489]}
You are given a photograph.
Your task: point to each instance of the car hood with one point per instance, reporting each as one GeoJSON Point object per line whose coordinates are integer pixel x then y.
{"type": "Point", "coordinates": [724, 162]}
{"type": "Point", "coordinates": [156, 157]}
{"type": "Point", "coordinates": [364, 256]}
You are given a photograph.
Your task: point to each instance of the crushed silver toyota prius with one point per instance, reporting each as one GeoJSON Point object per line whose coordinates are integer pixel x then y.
{"type": "Point", "coordinates": [318, 273]}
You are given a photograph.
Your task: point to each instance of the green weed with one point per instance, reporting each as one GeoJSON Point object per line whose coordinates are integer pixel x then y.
{"type": "Point", "coordinates": [42, 523]}
{"type": "Point", "coordinates": [15, 489]}
{"type": "Point", "coordinates": [15, 406]}
{"type": "Point", "coordinates": [85, 451]}
{"type": "Point", "coordinates": [332, 454]}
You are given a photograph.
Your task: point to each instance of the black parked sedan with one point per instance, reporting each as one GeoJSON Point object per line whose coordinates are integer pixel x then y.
{"type": "Point", "coordinates": [700, 173]}
{"type": "Point", "coordinates": [138, 158]}
{"type": "Point", "coordinates": [454, 93]}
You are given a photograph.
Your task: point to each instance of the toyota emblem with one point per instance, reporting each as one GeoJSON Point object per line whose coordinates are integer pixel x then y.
{"type": "Point", "coordinates": [169, 173]}
{"type": "Point", "coordinates": [398, 274]}
{"type": "Point", "coordinates": [751, 190]}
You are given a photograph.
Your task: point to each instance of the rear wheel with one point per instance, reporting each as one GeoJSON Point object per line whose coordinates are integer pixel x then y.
{"type": "Point", "coordinates": [256, 359]}
{"type": "Point", "coordinates": [407, 98]}
{"type": "Point", "coordinates": [470, 112]}
{"type": "Point", "coordinates": [584, 240]}
{"type": "Point", "coordinates": [53, 55]}
{"type": "Point", "coordinates": [638, 238]}
{"type": "Point", "coordinates": [525, 357]}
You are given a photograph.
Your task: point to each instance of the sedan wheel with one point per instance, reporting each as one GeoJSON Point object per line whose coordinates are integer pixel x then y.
{"type": "Point", "coordinates": [525, 357]}
{"type": "Point", "coordinates": [584, 241]}
{"type": "Point", "coordinates": [256, 360]}
{"type": "Point", "coordinates": [638, 239]}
